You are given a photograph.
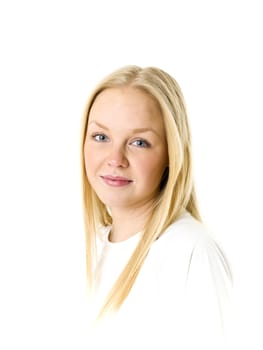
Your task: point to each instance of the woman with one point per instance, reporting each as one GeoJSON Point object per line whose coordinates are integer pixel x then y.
{"type": "Point", "coordinates": [157, 277]}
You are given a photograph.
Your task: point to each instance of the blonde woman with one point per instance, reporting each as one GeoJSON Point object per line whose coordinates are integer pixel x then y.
{"type": "Point", "coordinates": [156, 276]}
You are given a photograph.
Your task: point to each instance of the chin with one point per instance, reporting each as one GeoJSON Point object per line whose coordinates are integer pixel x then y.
{"type": "Point", "coordinates": [116, 202]}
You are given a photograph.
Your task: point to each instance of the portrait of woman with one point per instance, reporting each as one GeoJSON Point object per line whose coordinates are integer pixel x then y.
{"type": "Point", "coordinates": [156, 275]}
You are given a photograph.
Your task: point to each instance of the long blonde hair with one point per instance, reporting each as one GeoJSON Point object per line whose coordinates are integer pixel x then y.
{"type": "Point", "coordinates": [176, 195]}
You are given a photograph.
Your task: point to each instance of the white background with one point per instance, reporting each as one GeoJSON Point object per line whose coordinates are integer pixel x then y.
{"type": "Point", "coordinates": [52, 54]}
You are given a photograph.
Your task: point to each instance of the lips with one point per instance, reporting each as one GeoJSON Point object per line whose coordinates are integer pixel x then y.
{"type": "Point", "coordinates": [116, 181]}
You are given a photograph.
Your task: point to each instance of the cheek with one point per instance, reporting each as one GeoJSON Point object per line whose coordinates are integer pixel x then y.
{"type": "Point", "coordinates": [152, 170]}
{"type": "Point", "coordinates": [89, 160]}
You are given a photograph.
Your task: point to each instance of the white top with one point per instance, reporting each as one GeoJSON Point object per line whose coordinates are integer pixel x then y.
{"type": "Point", "coordinates": [179, 299]}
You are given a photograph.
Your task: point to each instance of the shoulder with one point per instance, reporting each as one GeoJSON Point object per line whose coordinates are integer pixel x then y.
{"type": "Point", "coordinates": [186, 250]}
{"type": "Point", "coordinates": [183, 236]}
{"type": "Point", "coordinates": [192, 242]}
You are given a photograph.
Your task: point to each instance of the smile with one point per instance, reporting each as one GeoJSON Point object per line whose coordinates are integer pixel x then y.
{"type": "Point", "coordinates": [116, 181]}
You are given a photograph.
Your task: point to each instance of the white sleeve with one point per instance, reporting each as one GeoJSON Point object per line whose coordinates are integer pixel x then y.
{"type": "Point", "coordinates": [208, 296]}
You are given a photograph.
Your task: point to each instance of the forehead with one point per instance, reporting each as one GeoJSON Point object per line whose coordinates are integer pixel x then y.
{"type": "Point", "coordinates": [125, 101]}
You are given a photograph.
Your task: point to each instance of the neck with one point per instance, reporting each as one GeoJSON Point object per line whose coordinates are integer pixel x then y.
{"type": "Point", "coordinates": [126, 223]}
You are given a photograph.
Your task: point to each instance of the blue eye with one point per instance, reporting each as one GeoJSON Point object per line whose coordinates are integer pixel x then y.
{"type": "Point", "coordinates": [141, 143]}
{"type": "Point", "coordinates": [100, 137]}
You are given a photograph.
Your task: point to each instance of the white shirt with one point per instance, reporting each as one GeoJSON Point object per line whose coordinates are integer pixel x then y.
{"type": "Point", "coordinates": [179, 299]}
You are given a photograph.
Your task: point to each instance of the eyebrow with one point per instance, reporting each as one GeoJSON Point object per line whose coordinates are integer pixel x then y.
{"type": "Point", "coordinates": [137, 130]}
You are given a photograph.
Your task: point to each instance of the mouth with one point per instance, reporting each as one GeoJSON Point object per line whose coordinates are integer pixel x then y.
{"type": "Point", "coordinates": [116, 181]}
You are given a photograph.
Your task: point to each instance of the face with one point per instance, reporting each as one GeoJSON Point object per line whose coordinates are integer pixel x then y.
{"type": "Point", "coordinates": [125, 148]}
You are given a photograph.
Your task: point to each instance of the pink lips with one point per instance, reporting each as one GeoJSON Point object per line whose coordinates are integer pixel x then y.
{"type": "Point", "coordinates": [116, 181]}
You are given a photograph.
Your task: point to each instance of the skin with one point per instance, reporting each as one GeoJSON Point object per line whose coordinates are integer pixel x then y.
{"type": "Point", "coordinates": [125, 156]}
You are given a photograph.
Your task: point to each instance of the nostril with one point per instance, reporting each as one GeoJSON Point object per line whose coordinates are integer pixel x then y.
{"type": "Point", "coordinates": [118, 161]}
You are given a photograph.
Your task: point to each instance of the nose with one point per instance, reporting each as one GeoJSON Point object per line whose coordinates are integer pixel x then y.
{"type": "Point", "coordinates": [117, 158]}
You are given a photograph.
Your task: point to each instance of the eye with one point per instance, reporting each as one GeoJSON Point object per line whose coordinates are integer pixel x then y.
{"type": "Point", "coordinates": [100, 137]}
{"type": "Point", "coordinates": [141, 143]}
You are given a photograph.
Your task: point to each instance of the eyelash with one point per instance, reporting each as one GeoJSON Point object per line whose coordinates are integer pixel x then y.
{"type": "Point", "coordinates": [94, 136]}
{"type": "Point", "coordinates": [143, 143]}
